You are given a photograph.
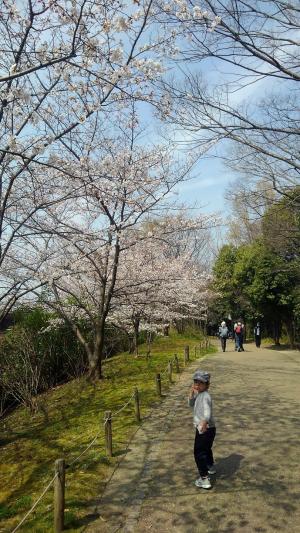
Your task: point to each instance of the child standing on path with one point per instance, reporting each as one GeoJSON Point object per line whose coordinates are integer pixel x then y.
{"type": "Point", "coordinates": [200, 399]}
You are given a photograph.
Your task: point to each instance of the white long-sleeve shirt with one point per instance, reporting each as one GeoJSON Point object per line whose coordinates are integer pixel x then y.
{"type": "Point", "coordinates": [202, 404]}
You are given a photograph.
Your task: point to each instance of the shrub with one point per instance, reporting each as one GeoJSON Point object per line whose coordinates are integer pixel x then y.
{"type": "Point", "coordinates": [37, 354]}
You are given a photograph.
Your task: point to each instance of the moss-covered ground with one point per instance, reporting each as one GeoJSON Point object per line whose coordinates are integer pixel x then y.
{"type": "Point", "coordinates": [69, 417]}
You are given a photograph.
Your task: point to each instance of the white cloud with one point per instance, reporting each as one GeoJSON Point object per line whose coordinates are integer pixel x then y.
{"type": "Point", "coordinates": [202, 182]}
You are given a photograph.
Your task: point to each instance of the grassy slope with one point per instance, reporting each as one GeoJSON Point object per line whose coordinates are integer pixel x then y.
{"type": "Point", "coordinates": [69, 418]}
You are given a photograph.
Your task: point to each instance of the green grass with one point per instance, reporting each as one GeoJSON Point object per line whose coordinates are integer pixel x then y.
{"type": "Point", "coordinates": [69, 417]}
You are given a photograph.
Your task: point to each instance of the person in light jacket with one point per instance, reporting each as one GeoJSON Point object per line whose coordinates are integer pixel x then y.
{"type": "Point", "coordinates": [223, 334]}
{"type": "Point", "coordinates": [200, 400]}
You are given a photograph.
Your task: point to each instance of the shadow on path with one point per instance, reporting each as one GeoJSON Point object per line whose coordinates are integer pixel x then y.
{"type": "Point", "coordinates": [256, 489]}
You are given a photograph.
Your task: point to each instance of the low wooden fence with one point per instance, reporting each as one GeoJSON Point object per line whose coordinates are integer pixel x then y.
{"type": "Point", "coordinates": [61, 466]}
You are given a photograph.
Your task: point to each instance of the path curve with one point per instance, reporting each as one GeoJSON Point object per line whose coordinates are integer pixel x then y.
{"type": "Point", "coordinates": [256, 397]}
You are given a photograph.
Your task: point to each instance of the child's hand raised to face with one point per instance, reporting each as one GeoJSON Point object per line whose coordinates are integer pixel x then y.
{"type": "Point", "coordinates": [193, 391]}
{"type": "Point", "coordinates": [195, 388]}
{"type": "Point", "coordinates": [198, 386]}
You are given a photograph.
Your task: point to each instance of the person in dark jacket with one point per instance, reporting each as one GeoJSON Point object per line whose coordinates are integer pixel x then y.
{"type": "Point", "coordinates": [257, 335]}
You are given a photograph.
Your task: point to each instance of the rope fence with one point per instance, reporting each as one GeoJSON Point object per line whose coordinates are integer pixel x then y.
{"type": "Point", "coordinates": [84, 451]}
{"type": "Point", "coordinates": [58, 480]}
{"type": "Point", "coordinates": [123, 407]}
{"type": "Point", "coordinates": [35, 504]}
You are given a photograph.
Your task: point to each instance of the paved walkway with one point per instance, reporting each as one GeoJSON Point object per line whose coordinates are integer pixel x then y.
{"type": "Point", "coordinates": [256, 396]}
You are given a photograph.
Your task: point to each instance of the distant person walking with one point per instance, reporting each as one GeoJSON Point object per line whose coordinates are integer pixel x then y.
{"type": "Point", "coordinates": [257, 335]}
{"type": "Point", "coordinates": [234, 337]}
{"type": "Point", "coordinates": [223, 334]}
{"type": "Point", "coordinates": [239, 336]}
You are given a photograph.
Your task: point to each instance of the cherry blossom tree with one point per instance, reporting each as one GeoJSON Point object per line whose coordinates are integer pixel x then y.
{"type": "Point", "coordinates": [67, 67]}
{"type": "Point", "coordinates": [63, 65]}
{"type": "Point", "coordinates": [121, 182]}
{"type": "Point", "coordinates": [161, 280]}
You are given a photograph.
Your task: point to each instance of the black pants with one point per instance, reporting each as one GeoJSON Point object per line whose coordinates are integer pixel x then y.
{"type": "Point", "coordinates": [203, 450]}
{"type": "Point", "coordinates": [257, 340]}
{"type": "Point", "coordinates": [223, 343]}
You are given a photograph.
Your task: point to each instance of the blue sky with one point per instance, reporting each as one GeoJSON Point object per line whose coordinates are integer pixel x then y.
{"type": "Point", "coordinates": [207, 188]}
{"type": "Point", "coordinates": [211, 178]}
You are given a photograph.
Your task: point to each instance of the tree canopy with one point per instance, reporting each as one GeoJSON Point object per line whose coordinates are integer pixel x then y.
{"type": "Point", "coordinates": [260, 280]}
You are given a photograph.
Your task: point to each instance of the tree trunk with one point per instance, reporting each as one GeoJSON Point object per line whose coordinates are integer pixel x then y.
{"type": "Point", "coordinates": [179, 326]}
{"type": "Point", "coordinates": [136, 327]}
{"type": "Point", "coordinates": [290, 332]}
{"type": "Point", "coordinates": [107, 289]}
{"type": "Point", "coordinates": [95, 367]}
{"type": "Point", "coordinates": [131, 344]}
{"type": "Point", "coordinates": [149, 340]}
{"type": "Point", "coordinates": [277, 329]}
{"type": "Point", "coordinates": [95, 360]}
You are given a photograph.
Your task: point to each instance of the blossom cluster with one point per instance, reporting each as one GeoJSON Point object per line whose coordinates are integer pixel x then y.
{"type": "Point", "coordinates": [189, 13]}
{"type": "Point", "coordinates": [70, 72]}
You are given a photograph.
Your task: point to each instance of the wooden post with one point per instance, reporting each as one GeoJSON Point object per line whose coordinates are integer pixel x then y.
{"type": "Point", "coordinates": [158, 384]}
{"type": "Point", "coordinates": [176, 363]}
{"type": "Point", "coordinates": [187, 353]}
{"type": "Point", "coordinates": [108, 433]}
{"type": "Point", "coordinates": [184, 359]}
{"type": "Point", "coordinates": [170, 368]}
{"type": "Point", "coordinates": [137, 404]}
{"type": "Point", "coordinates": [59, 495]}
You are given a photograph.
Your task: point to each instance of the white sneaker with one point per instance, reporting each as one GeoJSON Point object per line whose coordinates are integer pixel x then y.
{"type": "Point", "coordinates": [212, 470]}
{"type": "Point", "coordinates": [203, 483]}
